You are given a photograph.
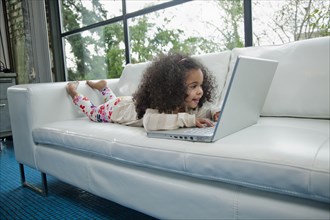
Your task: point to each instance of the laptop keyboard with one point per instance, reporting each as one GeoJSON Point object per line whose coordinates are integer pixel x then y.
{"type": "Point", "coordinates": [200, 131]}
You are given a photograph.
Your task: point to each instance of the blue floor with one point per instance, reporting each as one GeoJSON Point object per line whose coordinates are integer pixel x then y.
{"type": "Point", "coordinates": [63, 201]}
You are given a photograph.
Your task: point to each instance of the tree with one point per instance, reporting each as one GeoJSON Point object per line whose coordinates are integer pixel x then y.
{"type": "Point", "coordinates": [115, 55]}
{"type": "Point", "coordinates": [87, 64]}
{"type": "Point", "coordinates": [302, 19]}
{"type": "Point", "coordinates": [231, 20]}
{"type": "Point", "coordinates": [148, 41]}
{"type": "Point", "coordinates": [295, 20]}
{"type": "Point", "coordinates": [101, 50]}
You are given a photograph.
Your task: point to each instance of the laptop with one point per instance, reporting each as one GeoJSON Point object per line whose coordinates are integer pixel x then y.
{"type": "Point", "coordinates": [242, 105]}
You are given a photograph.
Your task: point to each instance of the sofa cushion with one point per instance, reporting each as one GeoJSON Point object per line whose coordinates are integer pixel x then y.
{"type": "Point", "coordinates": [217, 63]}
{"type": "Point", "coordinates": [301, 83]}
{"type": "Point", "coordinates": [130, 78]}
{"type": "Point", "coordinates": [285, 155]}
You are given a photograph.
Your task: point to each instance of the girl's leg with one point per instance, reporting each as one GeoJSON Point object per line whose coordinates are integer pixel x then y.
{"type": "Point", "coordinates": [109, 98]}
{"type": "Point", "coordinates": [104, 90]}
{"type": "Point", "coordinates": [94, 113]}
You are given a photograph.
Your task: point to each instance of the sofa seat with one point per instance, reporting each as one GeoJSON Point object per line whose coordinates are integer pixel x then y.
{"type": "Point", "coordinates": [259, 156]}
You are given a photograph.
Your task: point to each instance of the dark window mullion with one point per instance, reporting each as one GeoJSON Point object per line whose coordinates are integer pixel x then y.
{"type": "Point", "coordinates": [126, 34]}
{"type": "Point", "coordinates": [88, 27]}
{"type": "Point", "coordinates": [57, 43]}
{"type": "Point", "coordinates": [156, 8]}
{"type": "Point", "coordinates": [248, 34]}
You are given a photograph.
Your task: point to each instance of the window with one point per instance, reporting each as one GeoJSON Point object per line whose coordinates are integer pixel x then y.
{"type": "Point", "coordinates": [195, 27]}
{"type": "Point", "coordinates": [99, 37]}
{"type": "Point", "coordinates": [96, 53]}
{"type": "Point", "coordinates": [93, 32]}
{"type": "Point", "coordinates": [80, 13]}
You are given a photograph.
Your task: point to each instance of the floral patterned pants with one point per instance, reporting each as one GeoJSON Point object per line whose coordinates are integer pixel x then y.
{"type": "Point", "coordinates": [101, 113]}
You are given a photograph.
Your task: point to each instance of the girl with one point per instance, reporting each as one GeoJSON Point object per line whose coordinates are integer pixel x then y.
{"type": "Point", "coordinates": [175, 91]}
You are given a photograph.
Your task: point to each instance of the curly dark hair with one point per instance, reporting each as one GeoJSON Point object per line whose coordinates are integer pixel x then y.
{"type": "Point", "coordinates": [163, 84]}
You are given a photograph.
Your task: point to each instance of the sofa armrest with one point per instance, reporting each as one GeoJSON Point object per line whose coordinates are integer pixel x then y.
{"type": "Point", "coordinates": [33, 105]}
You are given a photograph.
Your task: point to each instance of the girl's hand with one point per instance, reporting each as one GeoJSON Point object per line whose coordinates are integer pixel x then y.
{"type": "Point", "coordinates": [203, 122]}
{"type": "Point", "coordinates": [216, 116]}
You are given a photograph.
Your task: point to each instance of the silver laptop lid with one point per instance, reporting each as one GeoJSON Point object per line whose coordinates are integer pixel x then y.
{"type": "Point", "coordinates": [246, 94]}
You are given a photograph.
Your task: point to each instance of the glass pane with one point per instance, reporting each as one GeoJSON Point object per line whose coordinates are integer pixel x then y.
{"type": "Point", "coordinates": [195, 27]}
{"type": "Point", "coordinates": [134, 5]}
{"type": "Point", "coordinates": [80, 13]}
{"type": "Point", "coordinates": [283, 21]}
{"type": "Point", "coordinates": [95, 54]}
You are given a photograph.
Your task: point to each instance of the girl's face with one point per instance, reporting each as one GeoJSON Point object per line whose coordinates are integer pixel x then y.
{"type": "Point", "coordinates": [194, 83]}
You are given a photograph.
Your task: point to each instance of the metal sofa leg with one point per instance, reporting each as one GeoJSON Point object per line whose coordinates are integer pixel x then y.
{"type": "Point", "coordinates": [43, 191]}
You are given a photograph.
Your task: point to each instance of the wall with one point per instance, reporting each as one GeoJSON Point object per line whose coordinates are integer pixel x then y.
{"type": "Point", "coordinates": [29, 40]}
{"type": "Point", "coordinates": [18, 40]}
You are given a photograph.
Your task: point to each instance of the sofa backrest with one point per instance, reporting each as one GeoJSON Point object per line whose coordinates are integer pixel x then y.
{"type": "Point", "coordinates": [130, 78]}
{"type": "Point", "coordinates": [216, 63]}
{"type": "Point", "coordinates": [300, 87]}
{"type": "Point", "coordinates": [301, 83]}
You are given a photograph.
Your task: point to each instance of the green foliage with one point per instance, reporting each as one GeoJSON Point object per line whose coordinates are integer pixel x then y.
{"type": "Point", "coordinates": [147, 41]}
{"type": "Point", "coordinates": [107, 58]}
{"type": "Point", "coordinates": [139, 42]}
{"type": "Point", "coordinates": [87, 65]}
{"type": "Point", "coordinates": [319, 20]}
{"type": "Point", "coordinates": [115, 55]}
{"type": "Point", "coordinates": [303, 19]}
{"type": "Point", "coordinates": [232, 19]}
{"type": "Point", "coordinates": [100, 52]}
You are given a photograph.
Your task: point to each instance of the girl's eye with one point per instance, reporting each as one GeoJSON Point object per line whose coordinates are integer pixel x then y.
{"type": "Point", "coordinates": [193, 86]}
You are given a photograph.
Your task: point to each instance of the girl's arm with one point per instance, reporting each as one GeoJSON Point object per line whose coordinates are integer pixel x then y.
{"type": "Point", "coordinates": [208, 111]}
{"type": "Point", "coordinates": [153, 120]}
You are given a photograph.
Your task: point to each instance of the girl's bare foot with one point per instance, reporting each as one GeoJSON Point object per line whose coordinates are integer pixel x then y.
{"type": "Point", "coordinates": [71, 88]}
{"type": "Point", "coordinates": [99, 85]}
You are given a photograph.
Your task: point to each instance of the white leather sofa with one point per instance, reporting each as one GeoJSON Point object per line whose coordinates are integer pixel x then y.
{"type": "Point", "coordinates": [276, 169]}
